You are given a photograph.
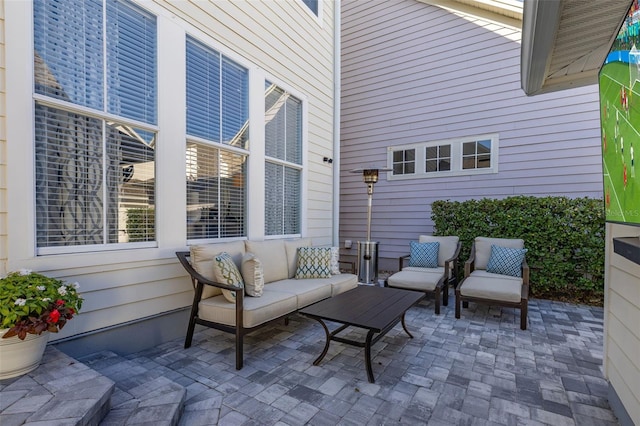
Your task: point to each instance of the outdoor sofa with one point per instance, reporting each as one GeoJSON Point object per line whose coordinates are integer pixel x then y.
{"type": "Point", "coordinates": [275, 263]}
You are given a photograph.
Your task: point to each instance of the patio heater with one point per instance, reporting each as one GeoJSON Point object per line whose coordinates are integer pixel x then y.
{"type": "Point", "coordinates": [368, 250]}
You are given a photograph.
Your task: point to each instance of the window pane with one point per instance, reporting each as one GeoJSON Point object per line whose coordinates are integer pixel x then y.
{"type": "Point", "coordinates": [274, 193]}
{"type": "Point", "coordinates": [203, 91]}
{"type": "Point", "coordinates": [469, 163]}
{"type": "Point", "coordinates": [410, 168]}
{"type": "Point", "coordinates": [445, 150]}
{"type": "Point", "coordinates": [484, 161]}
{"type": "Point", "coordinates": [398, 169]}
{"type": "Point", "coordinates": [216, 192]}
{"type": "Point", "coordinates": [444, 165]}
{"type": "Point", "coordinates": [292, 187]}
{"type": "Point", "coordinates": [294, 130]}
{"type": "Point", "coordinates": [398, 156]}
{"type": "Point", "coordinates": [468, 148]}
{"type": "Point", "coordinates": [410, 154]}
{"type": "Point", "coordinates": [313, 5]}
{"type": "Point", "coordinates": [432, 166]}
{"type": "Point", "coordinates": [69, 181]}
{"type": "Point", "coordinates": [235, 104]}
{"type": "Point", "coordinates": [131, 179]}
{"type": "Point", "coordinates": [432, 152]}
{"type": "Point", "coordinates": [275, 133]}
{"type": "Point", "coordinates": [131, 61]}
{"type": "Point", "coordinates": [484, 146]}
{"type": "Point", "coordinates": [68, 50]}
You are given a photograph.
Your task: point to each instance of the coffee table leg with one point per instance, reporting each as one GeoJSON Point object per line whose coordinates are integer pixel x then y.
{"type": "Point", "coordinates": [405, 327]}
{"type": "Point", "coordinates": [326, 345]}
{"type": "Point", "coordinates": [367, 356]}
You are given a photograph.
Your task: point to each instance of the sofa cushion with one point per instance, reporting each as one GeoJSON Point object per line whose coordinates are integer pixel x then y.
{"type": "Point", "coordinates": [506, 261]}
{"type": "Point", "coordinates": [291, 248]}
{"type": "Point", "coordinates": [253, 275]}
{"type": "Point", "coordinates": [307, 291]}
{"type": "Point", "coordinates": [448, 246]}
{"type": "Point", "coordinates": [202, 260]}
{"type": "Point", "coordinates": [486, 285]}
{"type": "Point", "coordinates": [273, 256]}
{"type": "Point", "coordinates": [483, 248]}
{"type": "Point", "coordinates": [226, 272]}
{"type": "Point", "coordinates": [424, 255]}
{"type": "Point", "coordinates": [341, 283]}
{"type": "Point", "coordinates": [314, 262]}
{"type": "Point", "coordinates": [424, 279]}
{"type": "Point", "coordinates": [256, 310]}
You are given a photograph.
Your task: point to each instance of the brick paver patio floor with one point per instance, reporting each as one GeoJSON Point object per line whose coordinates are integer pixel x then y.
{"type": "Point", "coordinates": [478, 370]}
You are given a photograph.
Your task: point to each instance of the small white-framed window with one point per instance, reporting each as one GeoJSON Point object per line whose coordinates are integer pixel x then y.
{"type": "Point", "coordinates": [404, 161]}
{"type": "Point", "coordinates": [449, 157]}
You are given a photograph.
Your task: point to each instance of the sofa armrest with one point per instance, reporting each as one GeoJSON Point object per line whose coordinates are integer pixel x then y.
{"type": "Point", "coordinates": [453, 259]}
{"type": "Point", "coordinates": [184, 257]}
{"type": "Point", "coordinates": [525, 272]}
{"type": "Point", "coordinates": [350, 263]}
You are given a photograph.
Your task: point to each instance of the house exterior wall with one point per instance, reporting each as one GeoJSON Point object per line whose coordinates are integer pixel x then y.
{"type": "Point", "coordinates": [282, 42]}
{"type": "Point", "coordinates": [414, 72]}
{"type": "Point", "coordinates": [622, 331]}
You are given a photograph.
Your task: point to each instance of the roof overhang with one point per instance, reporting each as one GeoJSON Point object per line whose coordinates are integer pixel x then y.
{"type": "Point", "coordinates": [565, 42]}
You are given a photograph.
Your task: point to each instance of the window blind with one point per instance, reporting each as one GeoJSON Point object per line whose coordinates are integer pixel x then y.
{"type": "Point", "coordinates": [217, 96]}
{"type": "Point", "coordinates": [68, 51]}
{"type": "Point", "coordinates": [131, 62]}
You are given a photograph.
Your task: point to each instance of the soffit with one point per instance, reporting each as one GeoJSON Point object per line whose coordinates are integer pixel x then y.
{"type": "Point", "coordinates": [565, 42]}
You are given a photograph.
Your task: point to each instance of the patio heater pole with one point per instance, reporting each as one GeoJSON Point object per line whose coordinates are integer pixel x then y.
{"type": "Point", "coordinates": [368, 250]}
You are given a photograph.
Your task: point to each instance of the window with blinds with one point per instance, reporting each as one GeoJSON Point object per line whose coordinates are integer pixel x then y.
{"type": "Point", "coordinates": [217, 140]}
{"type": "Point", "coordinates": [283, 169]}
{"type": "Point", "coordinates": [95, 115]}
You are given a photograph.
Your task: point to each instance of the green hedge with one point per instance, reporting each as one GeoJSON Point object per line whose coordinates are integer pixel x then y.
{"type": "Point", "coordinates": [564, 236]}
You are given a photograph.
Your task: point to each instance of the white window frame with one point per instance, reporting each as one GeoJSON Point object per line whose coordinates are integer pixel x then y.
{"type": "Point", "coordinates": [456, 158]}
{"type": "Point", "coordinates": [303, 166]}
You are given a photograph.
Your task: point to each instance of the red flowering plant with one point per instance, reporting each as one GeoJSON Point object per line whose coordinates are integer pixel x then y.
{"type": "Point", "coordinates": [34, 303]}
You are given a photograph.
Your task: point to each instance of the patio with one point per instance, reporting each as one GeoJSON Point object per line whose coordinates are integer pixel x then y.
{"type": "Point", "coordinates": [478, 370]}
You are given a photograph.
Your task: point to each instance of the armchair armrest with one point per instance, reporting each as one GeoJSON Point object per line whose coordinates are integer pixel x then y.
{"type": "Point", "coordinates": [525, 272]}
{"type": "Point", "coordinates": [401, 261]}
{"type": "Point", "coordinates": [453, 259]}
{"type": "Point", "coordinates": [469, 264]}
{"type": "Point", "coordinates": [349, 262]}
{"type": "Point", "coordinates": [195, 276]}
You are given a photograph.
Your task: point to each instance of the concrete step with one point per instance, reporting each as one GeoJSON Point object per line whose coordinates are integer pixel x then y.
{"type": "Point", "coordinates": [143, 393]}
{"type": "Point", "coordinates": [60, 391]}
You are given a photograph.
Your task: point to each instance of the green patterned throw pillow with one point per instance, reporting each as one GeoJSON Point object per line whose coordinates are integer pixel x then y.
{"type": "Point", "coordinates": [314, 262]}
{"type": "Point", "coordinates": [225, 271]}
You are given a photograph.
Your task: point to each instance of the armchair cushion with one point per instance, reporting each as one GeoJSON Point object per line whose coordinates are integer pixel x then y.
{"type": "Point", "coordinates": [448, 246]}
{"type": "Point", "coordinates": [335, 256]}
{"type": "Point", "coordinates": [506, 261]}
{"type": "Point", "coordinates": [424, 255]}
{"type": "Point", "coordinates": [314, 262]}
{"type": "Point", "coordinates": [485, 285]}
{"type": "Point", "coordinates": [422, 279]}
{"type": "Point", "coordinates": [225, 271]}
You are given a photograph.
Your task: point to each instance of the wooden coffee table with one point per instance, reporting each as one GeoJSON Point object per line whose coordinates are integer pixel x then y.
{"type": "Point", "coordinates": [377, 309]}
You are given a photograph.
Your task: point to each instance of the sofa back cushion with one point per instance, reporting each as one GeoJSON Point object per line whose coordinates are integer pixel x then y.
{"type": "Point", "coordinates": [202, 260]}
{"type": "Point", "coordinates": [273, 256]}
{"type": "Point", "coordinates": [447, 249]}
{"type": "Point", "coordinates": [483, 248]}
{"type": "Point", "coordinates": [291, 248]}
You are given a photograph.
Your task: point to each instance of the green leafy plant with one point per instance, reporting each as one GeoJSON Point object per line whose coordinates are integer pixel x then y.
{"type": "Point", "coordinates": [565, 237]}
{"type": "Point", "coordinates": [33, 303]}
